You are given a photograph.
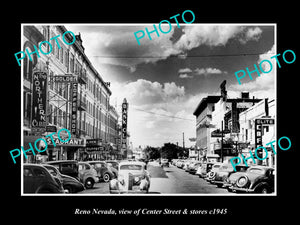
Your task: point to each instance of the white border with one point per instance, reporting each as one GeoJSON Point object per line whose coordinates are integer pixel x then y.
{"type": "Point", "coordinates": [145, 24]}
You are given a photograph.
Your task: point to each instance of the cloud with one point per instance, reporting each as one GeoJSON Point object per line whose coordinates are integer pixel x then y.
{"type": "Point", "coordinates": [214, 35]}
{"type": "Point", "coordinates": [264, 85]}
{"type": "Point", "coordinates": [117, 45]}
{"type": "Point", "coordinates": [185, 70]}
{"type": "Point", "coordinates": [251, 34]}
{"type": "Point", "coordinates": [185, 75]}
{"type": "Point", "coordinates": [145, 92]}
{"type": "Point", "coordinates": [206, 71]}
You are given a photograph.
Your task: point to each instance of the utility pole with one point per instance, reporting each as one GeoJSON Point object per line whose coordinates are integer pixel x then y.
{"type": "Point", "coordinates": [222, 141]}
{"type": "Point", "coordinates": [183, 140]}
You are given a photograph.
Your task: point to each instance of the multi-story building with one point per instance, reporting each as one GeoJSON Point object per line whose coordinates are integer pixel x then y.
{"type": "Point", "coordinates": [226, 114]}
{"type": "Point", "coordinates": [88, 118]}
{"type": "Point", "coordinates": [203, 114]}
{"type": "Point", "coordinates": [218, 125]}
{"type": "Point", "coordinates": [264, 110]}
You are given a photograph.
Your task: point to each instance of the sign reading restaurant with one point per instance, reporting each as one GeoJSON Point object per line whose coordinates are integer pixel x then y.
{"type": "Point", "coordinates": [71, 142]}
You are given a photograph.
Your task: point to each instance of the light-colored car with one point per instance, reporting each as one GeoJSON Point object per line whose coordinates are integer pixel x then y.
{"type": "Point", "coordinates": [132, 178]}
{"type": "Point", "coordinates": [164, 162]}
{"type": "Point", "coordinates": [87, 174]}
{"type": "Point", "coordinates": [210, 176]}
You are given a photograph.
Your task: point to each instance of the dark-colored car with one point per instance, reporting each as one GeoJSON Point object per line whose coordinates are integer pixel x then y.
{"type": "Point", "coordinates": [70, 184]}
{"type": "Point", "coordinates": [67, 167]}
{"type": "Point", "coordinates": [37, 179]}
{"type": "Point", "coordinates": [103, 171]}
{"type": "Point", "coordinates": [257, 179]}
{"type": "Point", "coordinates": [222, 176]}
{"type": "Point", "coordinates": [87, 174]}
{"type": "Point", "coordinates": [114, 166]}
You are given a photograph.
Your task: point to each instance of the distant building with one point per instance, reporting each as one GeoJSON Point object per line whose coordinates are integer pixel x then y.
{"type": "Point", "coordinates": [203, 114]}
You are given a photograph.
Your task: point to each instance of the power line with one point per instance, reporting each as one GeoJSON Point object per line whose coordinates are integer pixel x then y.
{"type": "Point", "coordinates": [175, 117]}
{"type": "Point", "coordinates": [184, 56]}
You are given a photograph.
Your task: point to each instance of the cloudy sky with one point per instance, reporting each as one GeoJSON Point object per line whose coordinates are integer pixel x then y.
{"type": "Point", "coordinates": [165, 78]}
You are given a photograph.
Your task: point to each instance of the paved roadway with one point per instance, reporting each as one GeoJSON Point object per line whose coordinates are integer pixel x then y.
{"type": "Point", "coordinates": [168, 180]}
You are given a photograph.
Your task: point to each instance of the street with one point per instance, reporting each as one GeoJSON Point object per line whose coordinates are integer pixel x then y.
{"type": "Point", "coordinates": [168, 180]}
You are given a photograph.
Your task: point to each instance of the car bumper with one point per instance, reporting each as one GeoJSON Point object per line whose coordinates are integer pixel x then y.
{"type": "Point", "coordinates": [248, 190]}
{"type": "Point", "coordinates": [128, 192]}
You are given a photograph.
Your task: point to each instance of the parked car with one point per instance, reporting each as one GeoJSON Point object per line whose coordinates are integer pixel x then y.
{"type": "Point", "coordinates": [37, 179]}
{"type": "Point", "coordinates": [133, 177]}
{"type": "Point", "coordinates": [256, 179]}
{"type": "Point", "coordinates": [204, 169]}
{"type": "Point", "coordinates": [164, 162]}
{"type": "Point", "coordinates": [179, 163]}
{"type": "Point", "coordinates": [70, 184]}
{"type": "Point", "coordinates": [210, 176]}
{"type": "Point", "coordinates": [67, 167]}
{"type": "Point", "coordinates": [87, 174]}
{"type": "Point", "coordinates": [113, 165]}
{"type": "Point", "coordinates": [104, 172]}
{"type": "Point", "coordinates": [193, 168]}
{"type": "Point", "coordinates": [221, 178]}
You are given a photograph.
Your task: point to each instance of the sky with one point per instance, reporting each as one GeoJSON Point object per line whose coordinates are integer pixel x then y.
{"type": "Point", "coordinates": [165, 78]}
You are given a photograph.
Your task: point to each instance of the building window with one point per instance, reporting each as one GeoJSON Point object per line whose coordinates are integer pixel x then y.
{"type": "Point", "coordinates": [62, 55]}
{"type": "Point", "coordinates": [72, 63]}
{"type": "Point", "coordinates": [66, 59]}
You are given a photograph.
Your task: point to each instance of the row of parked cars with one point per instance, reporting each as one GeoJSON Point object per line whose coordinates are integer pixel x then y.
{"type": "Point", "coordinates": [67, 176]}
{"type": "Point", "coordinates": [253, 179]}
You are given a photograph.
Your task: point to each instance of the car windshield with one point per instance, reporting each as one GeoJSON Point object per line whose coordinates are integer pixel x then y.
{"type": "Point", "coordinates": [256, 170]}
{"type": "Point", "coordinates": [131, 167]}
{"type": "Point", "coordinates": [226, 167]}
{"type": "Point", "coordinates": [97, 165]}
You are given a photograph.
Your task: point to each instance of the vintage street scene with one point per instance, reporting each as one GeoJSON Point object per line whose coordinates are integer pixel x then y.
{"type": "Point", "coordinates": [128, 109]}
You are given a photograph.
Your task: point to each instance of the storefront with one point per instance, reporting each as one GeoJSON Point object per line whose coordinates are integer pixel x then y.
{"type": "Point", "coordinates": [69, 150]}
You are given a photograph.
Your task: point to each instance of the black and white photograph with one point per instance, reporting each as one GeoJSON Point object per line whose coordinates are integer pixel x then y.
{"type": "Point", "coordinates": [108, 110]}
{"type": "Point", "coordinates": [144, 112]}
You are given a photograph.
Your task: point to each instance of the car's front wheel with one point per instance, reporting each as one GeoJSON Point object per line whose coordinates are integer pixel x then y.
{"type": "Point", "coordinates": [89, 183]}
{"type": "Point", "coordinates": [68, 189]}
{"type": "Point", "coordinates": [106, 177]}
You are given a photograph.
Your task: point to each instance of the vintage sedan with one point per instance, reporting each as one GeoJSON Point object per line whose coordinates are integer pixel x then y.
{"type": "Point", "coordinates": [204, 169]}
{"type": "Point", "coordinates": [257, 179]}
{"type": "Point", "coordinates": [87, 174]}
{"type": "Point", "coordinates": [104, 172]}
{"type": "Point", "coordinates": [133, 178]}
{"type": "Point", "coordinates": [37, 179]}
{"type": "Point", "coordinates": [70, 184]}
{"type": "Point", "coordinates": [222, 176]}
{"type": "Point", "coordinates": [193, 167]}
{"type": "Point", "coordinates": [210, 176]}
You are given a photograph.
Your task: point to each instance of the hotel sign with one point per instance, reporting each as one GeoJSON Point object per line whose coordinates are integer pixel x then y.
{"type": "Point", "coordinates": [39, 100]}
